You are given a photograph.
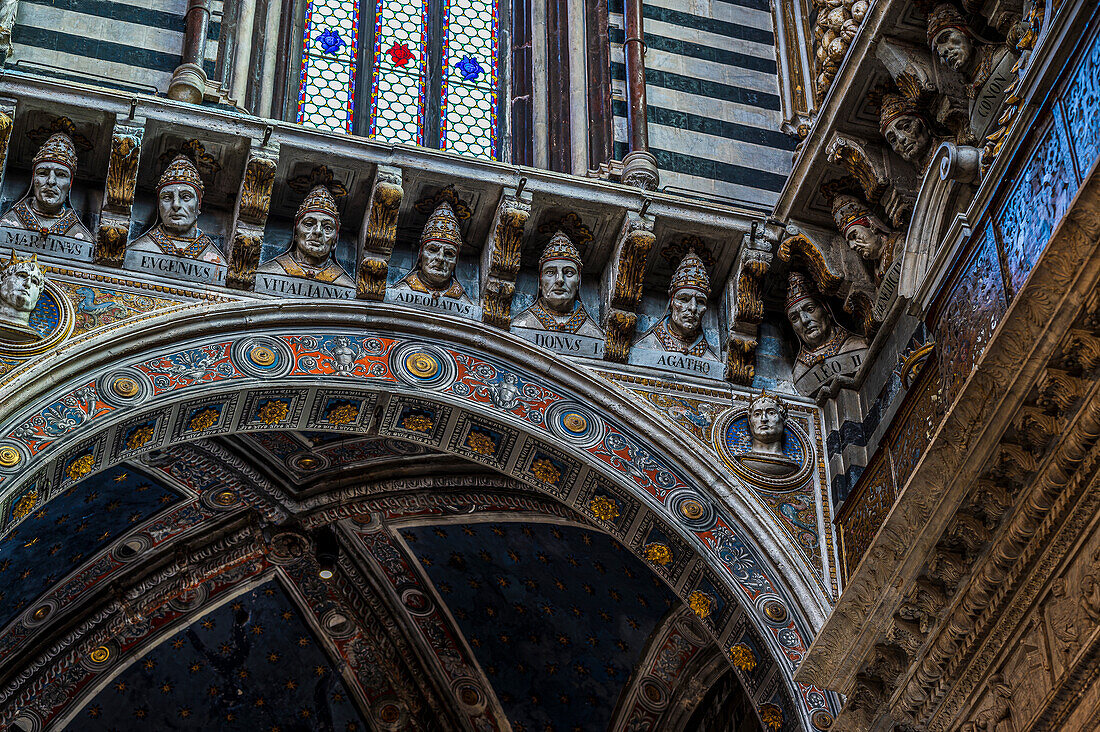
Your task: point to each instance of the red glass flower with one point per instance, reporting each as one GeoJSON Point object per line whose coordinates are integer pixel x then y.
{"type": "Point", "coordinates": [400, 54]}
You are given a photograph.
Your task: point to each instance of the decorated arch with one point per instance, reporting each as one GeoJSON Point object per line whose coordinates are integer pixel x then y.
{"type": "Point", "coordinates": [185, 392]}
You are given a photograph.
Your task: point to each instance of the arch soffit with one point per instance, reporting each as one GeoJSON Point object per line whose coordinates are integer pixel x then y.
{"type": "Point", "coordinates": [238, 557]}
{"type": "Point", "coordinates": [67, 409]}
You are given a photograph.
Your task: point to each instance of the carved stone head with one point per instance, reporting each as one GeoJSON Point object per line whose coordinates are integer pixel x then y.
{"type": "Point", "coordinates": [949, 36]}
{"type": "Point", "coordinates": [439, 245]}
{"type": "Point", "coordinates": [179, 198]}
{"type": "Point", "coordinates": [865, 234]}
{"type": "Point", "coordinates": [316, 227]}
{"type": "Point", "coordinates": [52, 174]}
{"type": "Point", "coordinates": [904, 128]}
{"type": "Point", "coordinates": [688, 293]}
{"type": "Point", "coordinates": [21, 284]}
{"type": "Point", "coordinates": [767, 417]}
{"type": "Point", "coordinates": [808, 316]}
{"type": "Point", "coordinates": [559, 274]}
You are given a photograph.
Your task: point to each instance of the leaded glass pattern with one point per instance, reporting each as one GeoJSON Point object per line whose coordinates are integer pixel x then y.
{"type": "Point", "coordinates": [329, 50]}
{"type": "Point", "coordinates": [433, 78]}
{"type": "Point", "coordinates": [469, 104]}
{"type": "Point", "coordinates": [400, 70]}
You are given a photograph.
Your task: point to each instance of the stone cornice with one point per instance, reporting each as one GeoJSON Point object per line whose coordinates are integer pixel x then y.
{"type": "Point", "coordinates": [291, 136]}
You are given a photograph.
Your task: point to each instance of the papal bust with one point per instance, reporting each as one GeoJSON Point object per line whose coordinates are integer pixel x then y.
{"type": "Point", "coordinates": [903, 126]}
{"type": "Point", "coordinates": [316, 231]}
{"type": "Point", "coordinates": [45, 209]}
{"type": "Point", "coordinates": [681, 329]}
{"type": "Point", "coordinates": [21, 284]}
{"type": "Point", "coordinates": [437, 259]}
{"type": "Point", "coordinates": [179, 203]}
{"type": "Point", "coordinates": [823, 341]}
{"type": "Point", "coordinates": [558, 307]}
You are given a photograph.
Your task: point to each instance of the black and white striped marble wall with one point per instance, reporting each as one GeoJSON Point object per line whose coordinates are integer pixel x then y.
{"type": "Point", "coordinates": [713, 94]}
{"type": "Point", "coordinates": [130, 44]}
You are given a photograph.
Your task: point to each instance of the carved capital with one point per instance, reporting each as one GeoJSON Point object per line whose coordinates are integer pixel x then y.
{"type": "Point", "coordinates": [253, 205]}
{"type": "Point", "coordinates": [377, 234]}
{"type": "Point", "coordinates": [500, 258]}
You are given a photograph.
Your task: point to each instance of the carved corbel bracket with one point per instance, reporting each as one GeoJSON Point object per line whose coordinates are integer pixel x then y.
{"type": "Point", "coordinates": [882, 180]}
{"type": "Point", "coordinates": [7, 121]}
{"type": "Point", "coordinates": [250, 216]}
{"type": "Point", "coordinates": [623, 280]}
{"type": "Point", "coordinates": [118, 196]}
{"type": "Point", "coordinates": [911, 67]}
{"type": "Point", "coordinates": [745, 296]}
{"type": "Point", "coordinates": [500, 257]}
{"type": "Point", "coordinates": [378, 232]}
{"type": "Point", "coordinates": [829, 277]}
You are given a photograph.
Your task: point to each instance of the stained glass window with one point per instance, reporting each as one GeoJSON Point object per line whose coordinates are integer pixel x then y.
{"type": "Point", "coordinates": [433, 72]}
{"type": "Point", "coordinates": [469, 107]}
{"type": "Point", "coordinates": [326, 96]}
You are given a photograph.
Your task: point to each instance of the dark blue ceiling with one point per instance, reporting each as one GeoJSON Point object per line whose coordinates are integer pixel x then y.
{"type": "Point", "coordinates": [71, 528]}
{"type": "Point", "coordinates": [557, 616]}
{"type": "Point", "coordinates": [251, 664]}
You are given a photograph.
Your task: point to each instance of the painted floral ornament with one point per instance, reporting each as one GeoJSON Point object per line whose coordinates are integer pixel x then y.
{"type": "Point", "coordinates": [400, 54]}
{"type": "Point", "coordinates": [330, 41]}
{"type": "Point", "coordinates": [470, 68]}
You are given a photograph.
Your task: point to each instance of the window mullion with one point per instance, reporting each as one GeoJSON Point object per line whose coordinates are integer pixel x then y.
{"type": "Point", "coordinates": [436, 10]}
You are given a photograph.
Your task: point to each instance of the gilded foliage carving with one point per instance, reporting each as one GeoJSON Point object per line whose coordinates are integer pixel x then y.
{"type": "Point", "coordinates": [246, 254]}
{"type": "Point", "coordinates": [5, 136]}
{"type": "Point", "coordinates": [496, 302]}
{"type": "Point", "coordinates": [110, 244]}
{"type": "Point", "coordinates": [370, 283]}
{"type": "Point", "coordinates": [507, 235]}
{"type": "Point", "coordinates": [504, 260]}
{"type": "Point", "coordinates": [627, 291]}
{"type": "Point", "coordinates": [620, 334]}
{"type": "Point", "coordinates": [122, 171]}
{"type": "Point", "coordinates": [741, 361]}
{"type": "Point", "coordinates": [259, 179]}
{"type": "Point", "coordinates": [799, 249]}
{"type": "Point", "coordinates": [381, 225]}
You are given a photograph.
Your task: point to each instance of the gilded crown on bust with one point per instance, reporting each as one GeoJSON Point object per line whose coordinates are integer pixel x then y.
{"type": "Point", "coordinates": [319, 200]}
{"type": "Point", "coordinates": [848, 210]}
{"type": "Point", "coordinates": [691, 273]}
{"type": "Point", "coordinates": [58, 149]}
{"type": "Point", "coordinates": [442, 226]}
{"type": "Point", "coordinates": [798, 288]}
{"type": "Point", "coordinates": [944, 16]}
{"type": "Point", "coordinates": [560, 248]}
{"type": "Point", "coordinates": [893, 107]}
{"type": "Point", "coordinates": [15, 260]}
{"type": "Point", "coordinates": [181, 170]}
